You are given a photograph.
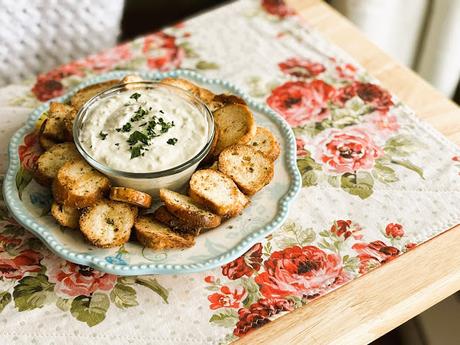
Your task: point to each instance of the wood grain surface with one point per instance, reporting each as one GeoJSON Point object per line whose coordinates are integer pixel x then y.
{"type": "Point", "coordinates": [381, 300]}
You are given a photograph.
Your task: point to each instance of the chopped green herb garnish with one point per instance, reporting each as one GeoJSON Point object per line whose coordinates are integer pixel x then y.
{"type": "Point", "coordinates": [135, 96]}
{"type": "Point", "coordinates": [103, 135]}
{"type": "Point", "coordinates": [172, 141]}
{"type": "Point", "coordinates": [135, 151]}
{"type": "Point", "coordinates": [139, 114]}
{"type": "Point", "coordinates": [136, 137]}
{"type": "Point", "coordinates": [126, 127]}
{"type": "Point", "coordinates": [117, 144]}
{"type": "Point", "coordinates": [165, 126]}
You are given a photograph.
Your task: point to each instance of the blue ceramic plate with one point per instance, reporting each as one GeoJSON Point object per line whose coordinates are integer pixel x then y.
{"type": "Point", "coordinates": [267, 211]}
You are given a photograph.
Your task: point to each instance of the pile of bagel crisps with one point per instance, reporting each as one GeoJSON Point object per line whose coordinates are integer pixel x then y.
{"type": "Point", "coordinates": [240, 163]}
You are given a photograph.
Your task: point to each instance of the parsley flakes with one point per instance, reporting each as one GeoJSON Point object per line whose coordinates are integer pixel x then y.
{"type": "Point", "coordinates": [135, 151]}
{"type": "Point", "coordinates": [139, 139]}
{"type": "Point", "coordinates": [136, 137]}
{"type": "Point", "coordinates": [103, 135]}
{"type": "Point", "coordinates": [125, 128]}
{"type": "Point", "coordinates": [139, 114]}
{"type": "Point", "coordinates": [135, 96]}
{"type": "Point", "coordinates": [172, 141]}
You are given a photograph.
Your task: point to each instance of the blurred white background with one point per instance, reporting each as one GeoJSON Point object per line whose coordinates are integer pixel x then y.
{"type": "Point", "coordinates": [422, 34]}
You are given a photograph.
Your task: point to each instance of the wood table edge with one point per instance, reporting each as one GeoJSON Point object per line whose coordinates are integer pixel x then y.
{"type": "Point", "coordinates": [381, 300]}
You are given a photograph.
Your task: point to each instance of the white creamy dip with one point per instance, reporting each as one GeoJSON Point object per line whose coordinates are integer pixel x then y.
{"type": "Point", "coordinates": [145, 130]}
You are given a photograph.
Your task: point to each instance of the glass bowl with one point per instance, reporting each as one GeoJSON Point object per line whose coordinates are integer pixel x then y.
{"type": "Point", "coordinates": [174, 177]}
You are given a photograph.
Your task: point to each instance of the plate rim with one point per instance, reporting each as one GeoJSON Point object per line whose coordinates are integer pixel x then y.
{"type": "Point", "coordinates": [20, 213]}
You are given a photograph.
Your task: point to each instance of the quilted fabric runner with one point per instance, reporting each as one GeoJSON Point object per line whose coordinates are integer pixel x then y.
{"type": "Point", "coordinates": [377, 182]}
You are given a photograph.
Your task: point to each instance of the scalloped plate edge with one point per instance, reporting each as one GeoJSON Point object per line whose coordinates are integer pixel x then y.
{"type": "Point", "coordinates": [17, 209]}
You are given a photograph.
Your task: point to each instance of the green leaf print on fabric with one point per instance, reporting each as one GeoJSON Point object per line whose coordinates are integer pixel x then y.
{"type": "Point", "coordinates": [293, 234]}
{"type": "Point", "coordinates": [23, 178]}
{"type": "Point", "coordinates": [189, 51]}
{"type": "Point", "coordinates": [350, 263]}
{"type": "Point", "coordinates": [384, 173]}
{"type": "Point", "coordinates": [253, 291]}
{"type": "Point", "coordinates": [153, 285]}
{"type": "Point", "coordinates": [408, 165]}
{"type": "Point", "coordinates": [308, 167]}
{"type": "Point", "coordinates": [361, 184]}
{"type": "Point", "coordinates": [123, 296]}
{"type": "Point", "coordinates": [90, 309]}
{"type": "Point", "coordinates": [63, 303]}
{"type": "Point", "coordinates": [5, 299]}
{"type": "Point", "coordinates": [33, 292]}
{"type": "Point", "coordinates": [227, 317]}
{"type": "Point", "coordinates": [401, 145]}
{"type": "Point", "coordinates": [206, 65]}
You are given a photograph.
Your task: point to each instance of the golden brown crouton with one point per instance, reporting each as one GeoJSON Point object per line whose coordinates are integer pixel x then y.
{"type": "Point", "coordinates": [108, 223]}
{"type": "Point", "coordinates": [188, 210]}
{"type": "Point", "coordinates": [65, 215]}
{"type": "Point", "coordinates": [79, 185]}
{"type": "Point", "coordinates": [82, 96]}
{"type": "Point", "coordinates": [265, 142]}
{"type": "Point", "coordinates": [218, 192]}
{"type": "Point", "coordinates": [248, 167]}
{"type": "Point", "coordinates": [236, 126]}
{"type": "Point", "coordinates": [153, 234]}
{"type": "Point", "coordinates": [49, 163]}
{"type": "Point", "coordinates": [131, 196]}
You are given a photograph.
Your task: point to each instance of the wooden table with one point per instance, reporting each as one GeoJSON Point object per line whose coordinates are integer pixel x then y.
{"type": "Point", "coordinates": [374, 304]}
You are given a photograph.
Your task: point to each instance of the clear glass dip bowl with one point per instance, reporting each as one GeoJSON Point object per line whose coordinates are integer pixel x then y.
{"type": "Point", "coordinates": [174, 177]}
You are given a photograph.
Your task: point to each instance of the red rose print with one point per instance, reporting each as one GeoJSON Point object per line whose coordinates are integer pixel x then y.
{"type": "Point", "coordinates": [394, 230]}
{"type": "Point", "coordinates": [46, 87]}
{"type": "Point", "coordinates": [107, 59]}
{"type": "Point", "coordinates": [227, 298]}
{"type": "Point", "coordinates": [456, 158]}
{"type": "Point", "coordinates": [49, 85]}
{"type": "Point", "coordinates": [301, 152]}
{"type": "Point", "coordinates": [346, 150]}
{"type": "Point", "coordinates": [346, 229]}
{"type": "Point", "coordinates": [410, 246]}
{"type": "Point", "coordinates": [258, 314]}
{"type": "Point", "coordinates": [372, 254]}
{"type": "Point", "coordinates": [162, 52]}
{"type": "Point", "coordinates": [370, 93]}
{"type": "Point", "coordinates": [75, 280]}
{"type": "Point", "coordinates": [16, 267]}
{"type": "Point", "coordinates": [29, 151]}
{"type": "Point", "coordinates": [8, 241]}
{"type": "Point", "coordinates": [245, 265]}
{"type": "Point", "coordinates": [346, 71]}
{"type": "Point", "coordinates": [301, 68]}
{"type": "Point", "coordinates": [344, 94]}
{"type": "Point", "coordinates": [383, 124]}
{"type": "Point", "coordinates": [298, 271]}
{"type": "Point", "coordinates": [277, 8]}
{"type": "Point", "coordinates": [375, 95]}
{"type": "Point", "coordinates": [300, 102]}
{"type": "Point", "coordinates": [210, 279]}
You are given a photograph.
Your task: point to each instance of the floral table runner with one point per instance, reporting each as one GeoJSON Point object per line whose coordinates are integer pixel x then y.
{"type": "Point", "coordinates": [376, 183]}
